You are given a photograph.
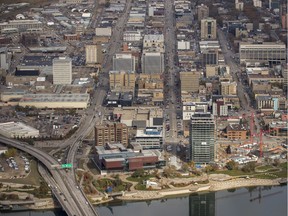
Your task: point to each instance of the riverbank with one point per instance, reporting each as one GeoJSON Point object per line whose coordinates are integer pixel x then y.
{"type": "Point", "coordinates": [139, 195]}
{"type": "Point", "coordinates": [210, 187]}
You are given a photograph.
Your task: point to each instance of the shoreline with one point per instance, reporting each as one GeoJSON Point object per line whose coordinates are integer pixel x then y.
{"type": "Point", "coordinates": [146, 195]}
{"type": "Point", "coordinates": [212, 186]}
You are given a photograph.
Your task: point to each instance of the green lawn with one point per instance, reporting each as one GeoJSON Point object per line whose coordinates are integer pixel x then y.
{"type": "Point", "coordinates": [266, 167]}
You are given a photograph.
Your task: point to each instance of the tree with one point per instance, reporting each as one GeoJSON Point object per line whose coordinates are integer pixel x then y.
{"type": "Point", "coordinates": [138, 173]}
{"type": "Point", "coordinates": [11, 152]}
{"type": "Point", "coordinates": [231, 165]}
{"type": "Point", "coordinates": [276, 162]}
{"type": "Point", "coordinates": [249, 167]}
{"type": "Point", "coordinates": [185, 167]}
{"type": "Point", "coordinates": [228, 149]}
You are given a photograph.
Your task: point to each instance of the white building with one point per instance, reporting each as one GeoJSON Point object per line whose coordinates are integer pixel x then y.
{"type": "Point", "coordinates": [132, 36]}
{"type": "Point", "coordinates": [189, 109]}
{"type": "Point", "coordinates": [149, 138]}
{"type": "Point", "coordinates": [62, 71]}
{"type": "Point", "coordinates": [183, 45]}
{"type": "Point", "coordinates": [17, 129]}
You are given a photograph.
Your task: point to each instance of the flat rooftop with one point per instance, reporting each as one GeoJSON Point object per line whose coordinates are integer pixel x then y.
{"type": "Point", "coordinates": [55, 97]}
{"type": "Point", "coordinates": [16, 127]}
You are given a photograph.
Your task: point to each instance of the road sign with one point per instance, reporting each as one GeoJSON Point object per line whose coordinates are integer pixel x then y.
{"type": "Point", "coordinates": [66, 165]}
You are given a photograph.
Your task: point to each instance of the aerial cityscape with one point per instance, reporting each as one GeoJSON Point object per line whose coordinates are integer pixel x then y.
{"type": "Point", "coordinates": [107, 103]}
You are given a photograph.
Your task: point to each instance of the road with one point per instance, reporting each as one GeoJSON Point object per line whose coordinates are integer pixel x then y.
{"type": "Point", "coordinates": [170, 52]}
{"type": "Point", "coordinates": [65, 193]}
{"type": "Point", "coordinates": [234, 69]}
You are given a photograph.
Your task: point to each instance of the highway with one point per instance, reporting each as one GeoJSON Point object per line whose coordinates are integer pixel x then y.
{"type": "Point", "coordinates": [66, 197]}
{"type": "Point", "coordinates": [91, 117]}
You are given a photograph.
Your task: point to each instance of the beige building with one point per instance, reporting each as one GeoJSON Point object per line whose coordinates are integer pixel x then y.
{"type": "Point", "coordinates": [122, 80]}
{"type": "Point", "coordinates": [62, 71]}
{"type": "Point", "coordinates": [190, 81]}
{"type": "Point", "coordinates": [208, 29]}
{"type": "Point", "coordinates": [211, 70]}
{"type": "Point", "coordinates": [202, 12]}
{"type": "Point", "coordinates": [228, 88]}
{"type": "Point", "coordinates": [93, 54]}
{"type": "Point", "coordinates": [110, 133]}
{"type": "Point", "coordinates": [267, 52]}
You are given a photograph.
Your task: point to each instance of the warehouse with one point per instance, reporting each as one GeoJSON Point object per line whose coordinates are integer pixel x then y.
{"type": "Point", "coordinates": [17, 129]}
{"type": "Point", "coordinates": [52, 101]}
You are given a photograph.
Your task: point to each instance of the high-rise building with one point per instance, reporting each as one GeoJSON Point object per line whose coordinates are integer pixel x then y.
{"type": "Point", "coordinates": [190, 81]}
{"type": "Point", "coordinates": [110, 133]}
{"type": "Point", "coordinates": [124, 62]}
{"type": "Point", "coordinates": [202, 138]}
{"type": "Point", "coordinates": [62, 71]}
{"type": "Point", "coordinates": [267, 52]}
{"type": "Point", "coordinates": [202, 12]}
{"type": "Point", "coordinates": [208, 28]}
{"type": "Point", "coordinates": [93, 54]}
{"type": "Point", "coordinates": [152, 62]}
{"type": "Point", "coordinates": [122, 80]}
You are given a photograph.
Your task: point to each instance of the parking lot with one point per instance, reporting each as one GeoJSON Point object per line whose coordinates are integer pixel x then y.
{"type": "Point", "coordinates": [14, 167]}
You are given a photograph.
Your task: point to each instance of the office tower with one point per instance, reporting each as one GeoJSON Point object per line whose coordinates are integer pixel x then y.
{"type": "Point", "coordinates": [121, 80]}
{"type": "Point", "coordinates": [110, 133]}
{"type": "Point", "coordinates": [62, 71]}
{"type": "Point", "coordinates": [152, 62]}
{"type": "Point", "coordinates": [190, 81]}
{"type": "Point", "coordinates": [202, 12]}
{"type": "Point", "coordinates": [123, 62]}
{"type": "Point", "coordinates": [208, 28]}
{"type": "Point", "coordinates": [266, 52]}
{"type": "Point", "coordinates": [93, 54]}
{"type": "Point", "coordinates": [202, 138]}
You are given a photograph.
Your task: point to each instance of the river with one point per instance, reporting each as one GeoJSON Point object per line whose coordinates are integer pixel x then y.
{"type": "Point", "coordinates": [258, 201]}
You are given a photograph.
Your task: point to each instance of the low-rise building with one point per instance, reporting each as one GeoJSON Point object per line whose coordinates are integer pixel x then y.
{"type": "Point", "coordinates": [236, 132]}
{"type": "Point", "coordinates": [52, 101]}
{"type": "Point", "coordinates": [149, 138]}
{"type": "Point", "coordinates": [17, 130]}
{"type": "Point", "coordinates": [117, 157]}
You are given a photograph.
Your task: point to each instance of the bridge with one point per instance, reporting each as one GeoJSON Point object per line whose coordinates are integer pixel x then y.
{"type": "Point", "coordinates": [72, 200]}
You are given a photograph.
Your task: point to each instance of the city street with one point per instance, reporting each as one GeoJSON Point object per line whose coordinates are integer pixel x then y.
{"type": "Point", "coordinates": [170, 47]}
